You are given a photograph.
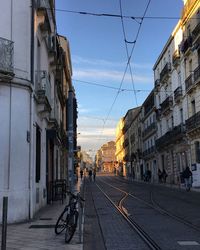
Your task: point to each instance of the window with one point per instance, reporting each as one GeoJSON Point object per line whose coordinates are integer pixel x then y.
{"type": "Point", "coordinates": [179, 78]}
{"type": "Point", "coordinates": [38, 154]}
{"type": "Point", "coordinates": [172, 121]}
{"type": "Point", "coordinates": [197, 151]}
{"type": "Point", "coordinates": [181, 115]}
{"type": "Point", "coordinates": [169, 56]}
{"type": "Point", "coordinates": [190, 66]}
{"type": "Point", "coordinates": [193, 107]}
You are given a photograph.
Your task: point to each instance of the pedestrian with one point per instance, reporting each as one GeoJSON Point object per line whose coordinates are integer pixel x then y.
{"type": "Point", "coordinates": [164, 175]}
{"type": "Point", "coordinates": [90, 175]}
{"type": "Point", "coordinates": [81, 173]}
{"type": "Point", "coordinates": [159, 176]}
{"type": "Point", "coordinates": [94, 174]}
{"type": "Point", "coordinates": [187, 175]}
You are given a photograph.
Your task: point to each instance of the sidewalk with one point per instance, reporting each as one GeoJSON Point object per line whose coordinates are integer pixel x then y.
{"type": "Point", "coordinates": [39, 233]}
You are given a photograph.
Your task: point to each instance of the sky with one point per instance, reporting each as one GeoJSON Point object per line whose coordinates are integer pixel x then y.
{"type": "Point", "coordinates": [99, 57]}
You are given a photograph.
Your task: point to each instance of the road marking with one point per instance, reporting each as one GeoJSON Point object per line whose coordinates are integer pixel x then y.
{"type": "Point", "coordinates": [188, 243]}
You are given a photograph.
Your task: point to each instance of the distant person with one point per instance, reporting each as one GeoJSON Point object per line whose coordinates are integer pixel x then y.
{"type": "Point", "coordinates": [94, 175]}
{"type": "Point", "coordinates": [81, 173]}
{"type": "Point", "coordinates": [187, 175]}
{"type": "Point", "coordinates": [90, 175]}
{"type": "Point", "coordinates": [164, 175]}
{"type": "Point", "coordinates": [159, 175]}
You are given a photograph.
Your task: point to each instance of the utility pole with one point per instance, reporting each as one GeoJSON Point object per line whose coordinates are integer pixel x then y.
{"type": "Point", "coordinates": [70, 141]}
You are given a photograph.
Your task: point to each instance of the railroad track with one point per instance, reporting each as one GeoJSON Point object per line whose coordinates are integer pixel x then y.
{"type": "Point", "coordinates": [144, 236]}
{"type": "Point", "coordinates": [157, 207]}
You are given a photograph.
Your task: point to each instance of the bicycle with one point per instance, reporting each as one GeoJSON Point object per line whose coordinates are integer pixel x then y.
{"type": "Point", "coordinates": [69, 217]}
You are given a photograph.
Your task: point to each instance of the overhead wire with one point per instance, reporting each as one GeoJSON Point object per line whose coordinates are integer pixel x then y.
{"type": "Point", "coordinates": [136, 18]}
{"type": "Point", "coordinates": [116, 88]}
{"type": "Point", "coordinates": [127, 65]}
{"type": "Point", "coordinates": [128, 61]}
{"type": "Point", "coordinates": [127, 53]}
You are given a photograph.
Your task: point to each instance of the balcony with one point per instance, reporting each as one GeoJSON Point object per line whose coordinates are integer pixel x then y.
{"type": "Point", "coordinates": [178, 94]}
{"type": "Point", "coordinates": [149, 130]}
{"type": "Point", "coordinates": [149, 152]}
{"type": "Point", "coordinates": [176, 58]}
{"type": "Point", "coordinates": [6, 58]}
{"type": "Point", "coordinates": [197, 74]}
{"type": "Point", "coordinates": [45, 14]}
{"type": "Point", "coordinates": [189, 82]}
{"type": "Point", "coordinates": [196, 30]}
{"type": "Point", "coordinates": [167, 104]}
{"type": "Point", "coordinates": [186, 45]}
{"type": "Point", "coordinates": [176, 134]}
{"type": "Point", "coordinates": [43, 89]}
{"type": "Point", "coordinates": [157, 83]}
{"type": "Point", "coordinates": [193, 122]}
{"type": "Point", "coordinates": [165, 72]}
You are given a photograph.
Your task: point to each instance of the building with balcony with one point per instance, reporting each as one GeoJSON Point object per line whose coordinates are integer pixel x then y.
{"type": "Point", "coordinates": [108, 156]}
{"type": "Point", "coordinates": [128, 169]}
{"type": "Point", "coordinates": [120, 152]}
{"type": "Point", "coordinates": [176, 101]}
{"type": "Point", "coordinates": [190, 25]}
{"type": "Point", "coordinates": [149, 129]}
{"type": "Point", "coordinates": [135, 145]}
{"type": "Point", "coordinates": [34, 85]}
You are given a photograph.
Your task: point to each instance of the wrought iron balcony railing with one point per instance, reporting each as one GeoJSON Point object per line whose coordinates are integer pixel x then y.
{"type": "Point", "coordinates": [186, 44]}
{"type": "Point", "coordinates": [45, 7]}
{"type": "Point", "coordinates": [176, 58]}
{"type": "Point", "coordinates": [196, 30]}
{"type": "Point", "coordinates": [151, 128]}
{"type": "Point", "coordinates": [178, 94]}
{"type": "Point", "coordinates": [189, 81]}
{"type": "Point", "coordinates": [157, 83]}
{"type": "Point", "coordinates": [166, 105]}
{"type": "Point", "coordinates": [171, 136]}
{"type": "Point", "coordinates": [149, 151]}
{"type": "Point", "coordinates": [6, 57]}
{"type": "Point", "coordinates": [193, 122]}
{"type": "Point", "coordinates": [43, 86]}
{"type": "Point", "coordinates": [197, 74]}
{"type": "Point", "coordinates": [165, 71]}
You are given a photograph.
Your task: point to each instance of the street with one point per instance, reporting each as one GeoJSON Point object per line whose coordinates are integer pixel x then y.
{"type": "Point", "coordinates": [159, 217]}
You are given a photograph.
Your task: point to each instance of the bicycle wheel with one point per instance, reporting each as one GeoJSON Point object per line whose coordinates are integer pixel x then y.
{"type": "Point", "coordinates": [62, 221]}
{"type": "Point", "coordinates": [71, 226]}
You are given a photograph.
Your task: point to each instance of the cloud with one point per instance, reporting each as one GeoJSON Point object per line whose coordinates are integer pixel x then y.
{"type": "Point", "coordinates": [112, 75]}
{"type": "Point", "coordinates": [105, 63]}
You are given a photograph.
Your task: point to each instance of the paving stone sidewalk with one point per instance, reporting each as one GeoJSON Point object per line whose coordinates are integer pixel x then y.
{"type": "Point", "coordinates": [39, 234]}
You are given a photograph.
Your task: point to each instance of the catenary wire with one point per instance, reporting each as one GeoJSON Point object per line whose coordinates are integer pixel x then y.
{"type": "Point", "coordinates": [119, 16]}
{"type": "Point", "coordinates": [127, 53]}
{"type": "Point", "coordinates": [116, 88]}
{"type": "Point", "coordinates": [128, 62]}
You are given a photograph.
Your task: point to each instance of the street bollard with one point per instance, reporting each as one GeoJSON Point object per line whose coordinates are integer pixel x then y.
{"type": "Point", "coordinates": [4, 223]}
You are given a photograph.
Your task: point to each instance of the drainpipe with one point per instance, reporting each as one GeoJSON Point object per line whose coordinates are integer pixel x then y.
{"type": "Point", "coordinates": [32, 40]}
{"type": "Point", "coordinates": [31, 107]}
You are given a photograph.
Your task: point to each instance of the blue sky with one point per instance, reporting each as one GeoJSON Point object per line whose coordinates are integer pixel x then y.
{"type": "Point", "coordinates": [99, 56]}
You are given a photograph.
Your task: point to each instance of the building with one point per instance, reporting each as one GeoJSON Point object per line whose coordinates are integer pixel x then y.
{"type": "Point", "coordinates": [190, 57]}
{"type": "Point", "coordinates": [131, 145]}
{"type": "Point", "coordinates": [149, 129]}
{"type": "Point", "coordinates": [120, 151]}
{"type": "Point", "coordinates": [33, 82]}
{"type": "Point", "coordinates": [108, 156]}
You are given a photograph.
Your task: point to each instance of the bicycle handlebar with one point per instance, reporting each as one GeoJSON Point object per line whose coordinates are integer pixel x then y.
{"type": "Point", "coordinates": [75, 196]}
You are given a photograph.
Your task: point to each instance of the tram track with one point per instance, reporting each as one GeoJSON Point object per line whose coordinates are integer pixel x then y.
{"type": "Point", "coordinates": [135, 226]}
{"type": "Point", "coordinates": [154, 205]}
